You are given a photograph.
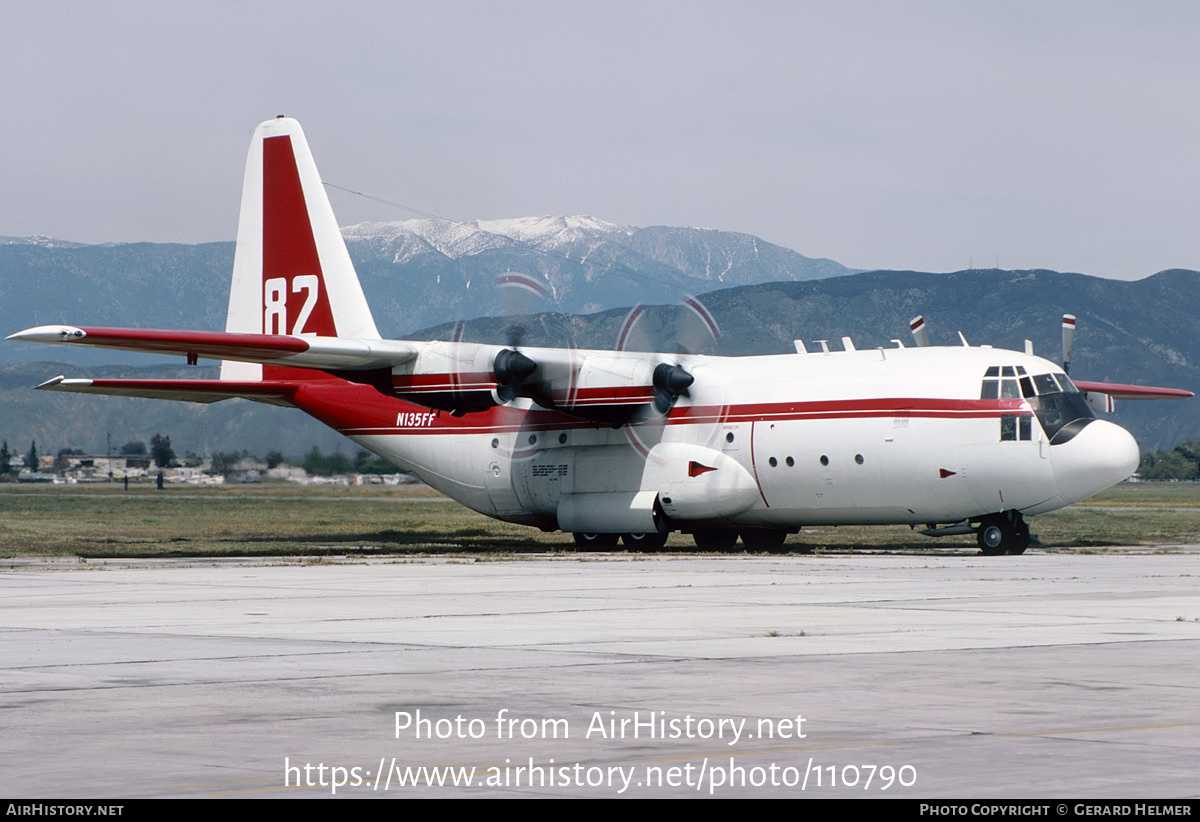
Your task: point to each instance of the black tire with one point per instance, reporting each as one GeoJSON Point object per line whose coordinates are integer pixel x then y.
{"type": "Point", "coordinates": [1020, 539]}
{"type": "Point", "coordinates": [596, 542]}
{"type": "Point", "coordinates": [652, 541]}
{"type": "Point", "coordinates": [716, 539]}
{"type": "Point", "coordinates": [764, 539]}
{"type": "Point", "coordinates": [994, 537]}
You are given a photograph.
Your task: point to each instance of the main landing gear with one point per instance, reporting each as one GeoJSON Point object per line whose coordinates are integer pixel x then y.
{"type": "Point", "coordinates": [596, 542]}
{"type": "Point", "coordinates": [755, 539]}
{"type": "Point", "coordinates": [1003, 533]}
{"type": "Point", "coordinates": [652, 541]}
{"type": "Point", "coordinates": [712, 539]}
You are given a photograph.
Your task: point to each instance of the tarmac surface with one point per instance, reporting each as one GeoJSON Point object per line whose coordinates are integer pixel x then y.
{"type": "Point", "coordinates": [1047, 675]}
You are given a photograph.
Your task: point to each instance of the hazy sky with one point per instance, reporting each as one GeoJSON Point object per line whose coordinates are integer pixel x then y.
{"type": "Point", "coordinates": [924, 135]}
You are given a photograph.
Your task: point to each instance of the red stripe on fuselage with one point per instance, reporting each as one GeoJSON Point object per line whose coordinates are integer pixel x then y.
{"type": "Point", "coordinates": [353, 408]}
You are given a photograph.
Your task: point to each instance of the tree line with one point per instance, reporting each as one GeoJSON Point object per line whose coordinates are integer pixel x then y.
{"type": "Point", "coordinates": [161, 454]}
{"type": "Point", "coordinates": [1180, 463]}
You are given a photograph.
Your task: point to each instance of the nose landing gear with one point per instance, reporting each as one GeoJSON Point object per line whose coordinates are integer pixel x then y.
{"type": "Point", "coordinates": [1003, 533]}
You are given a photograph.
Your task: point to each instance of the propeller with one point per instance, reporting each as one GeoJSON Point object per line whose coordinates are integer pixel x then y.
{"type": "Point", "coordinates": [1068, 326]}
{"type": "Point", "coordinates": [693, 329]}
{"type": "Point", "coordinates": [557, 382]}
{"type": "Point", "coordinates": [521, 296]}
{"type": "Point", "coordinates": [512, 370]}
{"type": "Point", "coordinates": [477, 379]}
{"type": "Point", "coordinates": [517, 374]}
{"type": "Point", "coordinates": [670, 383]}
{"type": "Point", "coordinates": [919, 331]}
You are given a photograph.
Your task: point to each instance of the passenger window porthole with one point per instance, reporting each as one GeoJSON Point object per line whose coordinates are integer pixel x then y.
{"type": "Point", "coordinates": [772, 462]}
{"type": "Point", "coordinates": [790, 462]}
{"type": "Point", "coordinates": [824, 460]}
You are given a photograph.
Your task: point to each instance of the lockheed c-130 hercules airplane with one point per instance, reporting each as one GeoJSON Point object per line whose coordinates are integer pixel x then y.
{"type": "Point", "coordinates": [620, 444]}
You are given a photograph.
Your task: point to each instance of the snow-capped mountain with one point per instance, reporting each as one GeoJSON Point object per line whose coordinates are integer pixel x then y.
{"type": "Point", "coordinates": [587, 264]}
{"type": "Point", "coordinates": [405, 239]}
{"type": "Point", "coordinates": [416, 273]}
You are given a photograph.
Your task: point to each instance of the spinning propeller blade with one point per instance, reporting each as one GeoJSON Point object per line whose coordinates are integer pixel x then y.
{"type": "Point", "coordinates": [919, 331]}
{"type": "Point", "coordinates": [1068, 326]}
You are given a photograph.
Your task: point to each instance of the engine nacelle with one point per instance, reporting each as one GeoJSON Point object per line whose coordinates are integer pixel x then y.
{"type": "Point", "coordinates": [1100, 403]}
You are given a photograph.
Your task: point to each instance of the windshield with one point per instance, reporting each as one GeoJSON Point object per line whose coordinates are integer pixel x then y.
{"type": "Point", "coordinates": [1053, 398]}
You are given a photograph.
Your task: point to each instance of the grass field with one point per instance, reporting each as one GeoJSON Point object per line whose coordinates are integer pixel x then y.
{"type": "Point", "coordinates": [95, 521]}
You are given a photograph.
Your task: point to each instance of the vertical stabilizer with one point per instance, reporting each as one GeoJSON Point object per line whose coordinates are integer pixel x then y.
{"type": "Point", "coordinates": [291, 271]}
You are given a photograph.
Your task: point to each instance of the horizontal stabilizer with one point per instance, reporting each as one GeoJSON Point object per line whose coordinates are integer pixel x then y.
{"type": "Point", "coordinates": [1132, 392]}
{"type": "Point", "coordinates": [275, 393]}
{"type": "Point", "coordinates": [327, 353]}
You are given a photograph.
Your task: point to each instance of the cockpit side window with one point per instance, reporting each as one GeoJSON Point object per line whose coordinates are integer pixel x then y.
{"type": "Point", "coordinates": [1046, 384]}
{"type": "Point", "coordinates": [1064, 382]}
{"type": "Point", "coordinates": [992, 389]}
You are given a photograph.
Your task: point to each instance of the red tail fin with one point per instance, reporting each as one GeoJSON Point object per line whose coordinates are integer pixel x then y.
{"type": "Point", "coordinates": [291, 272]}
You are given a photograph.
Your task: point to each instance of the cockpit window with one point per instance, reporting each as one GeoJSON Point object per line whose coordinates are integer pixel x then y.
{"type": "Point", "coordinates": [1005, 389]}
{"type": "Point", "coordinates": [1065, 383]}
{"type": "Point", "coordinates": [1053, 398]}
{"type": "Point", "coordinates": [1045, 384]}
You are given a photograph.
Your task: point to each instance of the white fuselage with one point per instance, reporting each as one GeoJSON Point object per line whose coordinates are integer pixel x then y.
{"type": "Point", "coordinates": [876, 436]}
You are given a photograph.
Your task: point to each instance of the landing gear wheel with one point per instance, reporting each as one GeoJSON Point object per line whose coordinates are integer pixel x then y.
{"type": "Point", "coordinates": [716, 539]}
{"type": "Point", "coordinates": [596, 542]}
{"type": "Point", "coordinates": [992, 537]}
{"type": "Point", "coordinates": [764, 539]}
{"type": "Point", "coordinates": [1004, 533]}
{"type": "Point", "coordinates": [652, 541]}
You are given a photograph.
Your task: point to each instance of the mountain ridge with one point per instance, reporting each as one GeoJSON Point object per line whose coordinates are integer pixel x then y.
{"type": "Point", "coordinates": [415, 273]}
{"type": "Point", "coordinates": [1129, 331]}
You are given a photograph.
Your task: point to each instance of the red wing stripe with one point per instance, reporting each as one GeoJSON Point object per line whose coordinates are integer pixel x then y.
{"type": "Point", "coordinates": [215, 343]}
{"type": "Point", "coordinates": [1133, 392]}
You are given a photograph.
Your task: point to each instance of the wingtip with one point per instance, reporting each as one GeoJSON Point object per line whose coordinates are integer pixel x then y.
{"type": "Point", "coordinates": [49, 334]}
{"type": "Point", "coordinates": [61, 383]}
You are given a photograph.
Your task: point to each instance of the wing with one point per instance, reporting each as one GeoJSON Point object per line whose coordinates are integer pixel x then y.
{"type": "Point", "coordinates": [323, 353]}
{"type": "Point", "coordinates": [1132, 392]}
{"type": "Point", "coordinates": [274, 393]}
{"type": "Point", "coordinates": [1102, 396]}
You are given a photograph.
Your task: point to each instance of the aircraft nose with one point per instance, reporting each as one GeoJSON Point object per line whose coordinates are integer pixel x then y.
{"type": "Point", "coordinates": [1100, 455]}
